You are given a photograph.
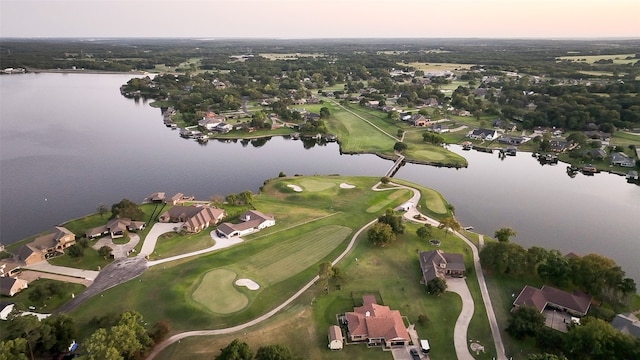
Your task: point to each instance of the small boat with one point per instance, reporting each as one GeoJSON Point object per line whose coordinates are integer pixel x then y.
{"type": "Point", "coordinates": [589, 169]}
{"type": "Point", "coordinates": [467, 145]}
{"type": "Point", "coordinates": [511, 151]}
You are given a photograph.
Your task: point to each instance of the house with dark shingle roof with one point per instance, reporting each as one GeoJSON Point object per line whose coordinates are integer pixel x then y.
{"type": "Point", "coordinates": [484, 134]}
{"type": "Point", "coordinates": [437, 263]}
{"type": "Point", "coordinates": [251, 221]}
{"type": "Point", "coordinates": [116, 228]}
{"type": "Point", "coordinates": [622, 159]}
{"type": "Point", "coordinates": [377, 325]}
{"type": "Point", "coordinates": [627, 324]}
{"type": "Point", "coordinates": [576, 303]}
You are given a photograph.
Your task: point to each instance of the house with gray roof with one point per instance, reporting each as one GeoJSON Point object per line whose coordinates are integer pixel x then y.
{"type": "Point", "coordinates": [627, 324]}
{"type": "Point", "coordinates": [484, 134]}
{"type": "Point", "coordinates": [622, 159]}
{"type": "Point", "coordinates": [437, 263]}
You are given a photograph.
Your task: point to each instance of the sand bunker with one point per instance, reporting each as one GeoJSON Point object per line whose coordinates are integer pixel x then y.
{"type": "Point", "coordinates": [295, 188]}
{"type": "Point", "coordinates": [248, 283]}
{"type": "Point", "coordinates": [346, 186]}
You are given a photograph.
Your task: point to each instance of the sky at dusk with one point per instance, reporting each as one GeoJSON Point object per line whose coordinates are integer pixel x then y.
{"type": "Point", "coordinates": [321, 18]}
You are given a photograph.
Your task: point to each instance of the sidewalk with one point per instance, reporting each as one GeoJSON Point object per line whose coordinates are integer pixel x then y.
{"type": "Point", "coordinates": [44, 266]}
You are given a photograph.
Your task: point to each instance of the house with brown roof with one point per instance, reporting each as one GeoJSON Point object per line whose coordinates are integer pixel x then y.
{"type": "Point", "coordinates": [47, 246]}
{"type": "Point", "coordinates": [251, 221]}
{"type": "Point", "coordinates": [576, 303]}
{"type": "Point", "coordinates": [116, 228]}
{"type": "Point", "coordinates": [10, 286]}
{"type": "Point", "coordinates": [377, 325]}
{"type": "Point", "coordinates": [156, 197]}
{"type": "Point", "coordinates": [194, 218]}
{"type": "Point", "coordinates": [336, 341]}
{"type": "Point", "coordinates": [437, 263]}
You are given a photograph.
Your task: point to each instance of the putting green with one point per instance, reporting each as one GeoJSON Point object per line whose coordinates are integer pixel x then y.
{"type": "Point", "coordinates": [316, 185]}
{"type": "Point", "coordinates": [217, 293]}
{"type": "Point", "coordinates": [434, 201]}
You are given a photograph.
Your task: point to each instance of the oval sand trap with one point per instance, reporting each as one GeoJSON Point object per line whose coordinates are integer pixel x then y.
{"type": "Point", "coordinates": [295, 188]}
{"type": "Point", "coordinates": [217, 293]}
{"type": "Point", "coordinates": [346, 186]}
{"type": "Point", "coordinates": [248, 283]}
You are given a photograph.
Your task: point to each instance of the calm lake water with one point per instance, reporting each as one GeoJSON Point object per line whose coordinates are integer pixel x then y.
{"type": "Point", "coordinates": [70, 141]}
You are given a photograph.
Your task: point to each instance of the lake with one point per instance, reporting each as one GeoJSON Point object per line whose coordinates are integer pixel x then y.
{"type": "Point", "coordinates": [70, 141]}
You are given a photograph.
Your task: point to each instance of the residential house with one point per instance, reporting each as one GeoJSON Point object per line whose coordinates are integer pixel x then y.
{"type": "Point", "coordinates": [437, 263]}
{"type": "Point", "coordinates": [47, 246]}
{"type": "Point", "coordinates": [439, 128]}
{"type": "Point", "coordinates": [431, 102]}
{"type": "Point", "coordinates": [10, 286]}
{"type": "Point", "coordinates": [116, 228]}
{"type": "Point", "coordinates": [531, 106]}
{"type": "Point", "coordinates": [598, 154]}
{"type": "Point", "coordinates": [8, 267]}
{"type": "Point", "coordinates": [211, 120]}
{"type": "Point", "coordinates": [251, 221]}
{"type": "Point", "coordinates": [622, 159]}
{"type": "Point", "coordinates": [194, 218]}
{"type": "Point", "coordinates": [156, 197]}
{"type": "Point", "coordinates": [576, 303]}
{"type": "Point", "coordinates": [178, 198]}
{"type": "Point", "coordinates": [336, 341]}
{"type": "Point", "coordinates": [419, 120]}
{"type": "Point", "coordinates": [627, 324]}
{"type": "Point", "coordinates": [223, 127]}
{"type": "Point", "coordinates": [559, 145]}
{"type": "Point", "coordinates": [484, 134]}
{"type": "Point", "coordinates": [513, 140]}
{"type": "Point", "coordinates": [598, 135]}
{"type": "Point", "coordinates": [389, 109]}
{"type": "Point", "coordinates": [377, 325]}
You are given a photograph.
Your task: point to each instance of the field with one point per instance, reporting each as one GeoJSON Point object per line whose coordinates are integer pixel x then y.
{"type": "Point", "coordinates": [290, 56]}
{"type": "Point", "coordinates": [590, 59]}
{"type": "Point", "coordinates": [436, 67]}
{"type": "Point", "coordinates": [313, 226]}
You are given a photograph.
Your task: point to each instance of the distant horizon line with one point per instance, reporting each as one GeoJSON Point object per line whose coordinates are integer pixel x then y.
{"type": "Point", "coordinates": [211, 38]}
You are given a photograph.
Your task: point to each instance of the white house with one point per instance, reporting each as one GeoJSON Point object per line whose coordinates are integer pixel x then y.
{"type": "Point", "coordinates": [252, 221]}
{"type": "Point", "coordinates": [484, 134]}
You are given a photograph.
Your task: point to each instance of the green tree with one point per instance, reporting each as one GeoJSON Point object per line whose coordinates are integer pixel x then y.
{"type": "Point", "coordinates": [126, 209]}
{"type": "Point", "coordinates": [128, 339]}
{"type": "Point", "coordinates": [503, 234]}
{"type": "Point", "coordinates": [232, 199]}
{"type": "Point", "coordinates": [400, 146]}
{"type": "Point", "coordinates": [246, 197]}
{"type": "Point", "coordinates": [236, 350]}
{"type": "Point", "coordinates": [15, 349]}
{"type": "Point", "coordinates": [63, 331]}
{"type": "Point", "coordinates": [274, 352]}
{"type": "Point", "coordinates": [436, 286]}
{"type": "Point", "coordinates": [324, 112]}
{"type": "Point", "coordinates": [385, 180]}
{"type": "Point", "coordinates": [105, 251]}
{"type": "Point", "coordinates": [449, 223]}
{"type": "Point", "coordinates": [160, 331]}
{"type": "Point", "coordinates": [424, 231]}
{"type": "Point", "coordinates": [525, 321]}
{"type": "Point", "coordinates": [546, 356]}
{"type": "Point", "coordinates": [75, 251]}
{"type": "Point", "coordinates": [381, 234]}
{"type": "Point", "coordinates": [395, 221]}
{"type": "Point", "coordinates": [102, 209]}
{"type": "Point", "coordinates": [597, 339]}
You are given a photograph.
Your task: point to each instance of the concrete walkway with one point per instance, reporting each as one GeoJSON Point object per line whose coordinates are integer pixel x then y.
{"type": "Point", "coordinates": [459, 286]}
{"type": "Point", "coordinates": [221, 243]}
{"type": "Point", "coordinates": [44, 266]}
{"type": "Point", "coordinates": [152, 238]}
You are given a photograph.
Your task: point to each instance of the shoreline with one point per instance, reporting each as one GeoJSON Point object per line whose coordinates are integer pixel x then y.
{"type": "Point", "coordinates": [84, 71]}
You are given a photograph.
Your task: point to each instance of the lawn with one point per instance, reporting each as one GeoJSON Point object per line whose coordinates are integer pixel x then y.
{"type": "Point", "coordinates": [23, 302]}
{"type": "Point", "coordinates": [284, 259]}
{"type": "Point", "coordinates": [624, 139]}
{"type": "Point", "coordinates": [91, 260]}
{"type": "Point", "coordinates": [171, 244]}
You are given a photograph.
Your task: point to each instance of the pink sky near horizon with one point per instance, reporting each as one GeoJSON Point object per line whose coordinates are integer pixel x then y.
{"type": "Point", "coordinates": [321, 19]}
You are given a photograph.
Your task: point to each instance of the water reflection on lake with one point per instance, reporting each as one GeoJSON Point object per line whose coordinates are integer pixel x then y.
{"type": "Point", "coordinates": [71, 141]}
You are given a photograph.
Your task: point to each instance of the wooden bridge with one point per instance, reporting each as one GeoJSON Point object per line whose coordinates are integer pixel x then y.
{"type": "Point", "coordinates": [395, 167]}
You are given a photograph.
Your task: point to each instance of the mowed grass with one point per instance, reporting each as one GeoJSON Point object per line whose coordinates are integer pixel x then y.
{"type": "Point", "coordinates": [217, 293]}
{"type": "Point", "coordinates": [291, 255]}
{"type": "Point", "coordinates": [386, 198]}
{"type": "Point", "coordinates": [419, 151]}
{"type": "Point", "coordinates": [310, 184]}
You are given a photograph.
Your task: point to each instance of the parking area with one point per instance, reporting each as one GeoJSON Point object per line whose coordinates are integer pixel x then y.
{"type": "Point", "coordinates": [557, 320]}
